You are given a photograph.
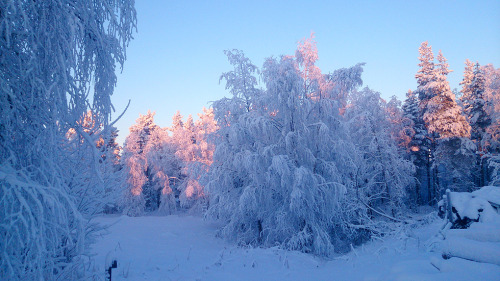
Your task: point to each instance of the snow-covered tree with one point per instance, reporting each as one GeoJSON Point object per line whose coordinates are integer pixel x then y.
{"type": "Point", "coordinates": [426, 78]}
{"type": "Point", "coordinates": [478, 117]}
{"type": "Point", "coordinates": [99, 193]}
{"type": "Point", "coordinates": [383, 175]}
{"type": "Point", "coordinates": [241, 83]}
{"type": "Point", "coordinates": [57, 61]}
{"type": "Point", "coordinates": [192, 192]}
{"type": "Point", "coordinates": [315, 84]}
{"type": "Point", "coordinates": [284, 172]}
{"type": "Point", "coordinates": [418, 147]}
{"type": "Point", "coordinates": [455, 162]}
{"type": "Point", "coordinates": [491, 140]}
{"type": "Point", "coordinates": [425, 75]}
{"type": "Point", "coordinates": [465, 92]}
{"type": "Point", "coordinates": [150, 161]}
{"type": "Point", "coordinates": [163, 168]}
{"type": "Point", "coordinates": [443, 116]}
{"type": "Point", "coordinates": [399, 123]}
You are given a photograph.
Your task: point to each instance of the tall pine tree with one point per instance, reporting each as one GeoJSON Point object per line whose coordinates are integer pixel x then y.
{"type": "Point", "coordinates": [442, 114]}
{"type": "Point", "coordinates": [454, 154]}
{"type": "Point", "coordinates": [418, 146]}
{"type": "Point", "coordinates": [425, 76]}
{"type": "Point", "coordinates": [465, 92]}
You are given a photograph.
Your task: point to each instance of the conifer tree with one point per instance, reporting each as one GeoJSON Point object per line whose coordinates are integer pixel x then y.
{"type": "Point", "coordinates": [442, 114]}
{"type": "Point", "coordinates": [444, 118]}
{"type": "Point", "coordinates": [477, 115]}
{"type": "Point", "coordinates": [146, 148]}
{"type": "Point", "coordinates": [426, 76]}
{"type": "Point", "coordinates": [466, 98]}
{"type": "Point", "coordinates": [418, 145]}
{"type": "Point", "coordinates": [479, 121]}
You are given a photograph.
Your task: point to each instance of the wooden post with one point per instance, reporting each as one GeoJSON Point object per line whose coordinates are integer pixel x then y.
{"type": "Point", "coordinates": [449, 206]}
{"type": "Point", "coordinates": [114, 264]}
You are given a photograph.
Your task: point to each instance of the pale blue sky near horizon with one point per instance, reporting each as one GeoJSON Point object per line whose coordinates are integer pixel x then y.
{"type": "Point", "coordinates": [176, 59]}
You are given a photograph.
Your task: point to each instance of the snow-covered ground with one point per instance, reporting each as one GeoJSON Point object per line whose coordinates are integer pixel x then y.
{"type": "Point", "coordinates": [186, 248]}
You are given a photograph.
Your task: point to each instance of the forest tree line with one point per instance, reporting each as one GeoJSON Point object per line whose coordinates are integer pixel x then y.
{"type": "Point", "coordinates": [309, 160]}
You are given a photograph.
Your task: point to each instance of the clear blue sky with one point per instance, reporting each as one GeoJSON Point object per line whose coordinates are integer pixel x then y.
{"type": "Point", "coordinates": [176, 59]}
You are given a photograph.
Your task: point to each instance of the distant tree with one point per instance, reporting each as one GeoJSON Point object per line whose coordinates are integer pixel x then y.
{"type": "Point", "coordinates": [315, 84]}
{"type": "Point", "coordinates": [161, 193]}
{"type": "Point", "coordinates": [418, 146]}
{"type": "Point", "coordinates": [466, 98]}
{"type": "Point", "coordinates": [491, 142]}
{"type": "Point", "coordinates": [205, 128]}
{"type": "Point", "coordinates": [492, 90]}
{"type": "Point", "coordinates": [398, 123]}
{"type": "Point", "coordinates": [478, 117]}
{"type": "Point", "coordinates": [149, 162]}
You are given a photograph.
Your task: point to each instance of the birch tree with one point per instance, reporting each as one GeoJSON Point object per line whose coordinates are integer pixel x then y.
{"type": "Point", "coordinates": [58, 61]}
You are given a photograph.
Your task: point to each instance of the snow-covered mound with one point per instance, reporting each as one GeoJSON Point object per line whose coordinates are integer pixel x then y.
{"type": "Point", "coordinates": [186, 248]}
{"type": "Point", "coordinates": [489, 193]}
{"type": "Point", "coordinates": [472, 231]}
{"type": "Point", "coordinates": [464, 208]}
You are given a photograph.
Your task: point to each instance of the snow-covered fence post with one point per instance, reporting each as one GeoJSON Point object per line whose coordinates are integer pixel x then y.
{"type": "Point", "coordinates": [113, 264]}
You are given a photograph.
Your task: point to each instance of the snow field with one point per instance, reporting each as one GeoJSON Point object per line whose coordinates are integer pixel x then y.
{"type": "Point", "coordinates": [186, 248]}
